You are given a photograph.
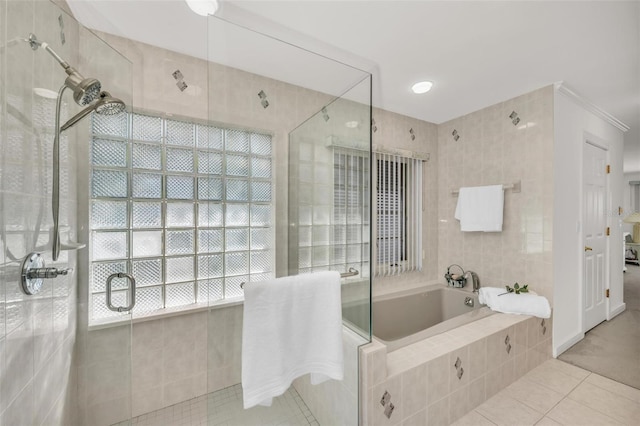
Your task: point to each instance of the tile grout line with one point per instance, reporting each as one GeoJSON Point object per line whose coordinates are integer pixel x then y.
{"type": "Point", "coordinates": [480, 414]}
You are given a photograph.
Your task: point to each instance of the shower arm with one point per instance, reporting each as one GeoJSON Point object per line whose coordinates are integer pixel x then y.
{"type": "Point", "coordinates": [35, 44]}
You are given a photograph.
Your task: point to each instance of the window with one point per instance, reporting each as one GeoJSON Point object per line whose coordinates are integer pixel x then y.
{"type": "Point", "coordinates": [186, 208]}
{"type": "Point", "coordinates": [350, 248]}
{"type": "Point", "coordinates": [399, 214]}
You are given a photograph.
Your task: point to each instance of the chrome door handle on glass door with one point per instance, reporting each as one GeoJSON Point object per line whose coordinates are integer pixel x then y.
{"type": "Point", "coordinates": [132, 289]}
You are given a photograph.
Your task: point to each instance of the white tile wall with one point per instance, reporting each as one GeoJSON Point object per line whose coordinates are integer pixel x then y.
{"type": "Point", "coordinates": [37, 333]}
{"type": "Point", "coordinates": [492, 150]}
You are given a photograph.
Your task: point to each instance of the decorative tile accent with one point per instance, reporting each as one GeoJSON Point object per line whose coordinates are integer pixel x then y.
{"type": "Point", "coordinates": [507, 344]}
{"type": "Point", "coordinates": [543, 327]}
{"type": "Point", "coordinates": [386, 397]}
{"type": "Point", "coordinates": [514, 118]}
{"type": "Point", "coordinates": [182, 85]}
{"type": "Point", "coordinates": [388, 410]}
{"type": "Point", "coordinates": [325, 114]}
{"type": "Point", "coordinates": [455, 135]}
{"type": "Point", "coordinates": [458, 367]}
{"type": "Point", "coordinates": [413, 134]}
{"type": "Point", "coordinates": [385, 401]}
{"type": "Point", "coordinates": [263, 99]}
{"type": "Point", "coordinates": [63, 39]}
{"type": "Point", "coordinates": [374, 128]}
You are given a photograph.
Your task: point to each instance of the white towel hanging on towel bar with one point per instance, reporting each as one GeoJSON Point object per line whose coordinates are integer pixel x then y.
{"type": "Point", "coordinates": [480, 208]}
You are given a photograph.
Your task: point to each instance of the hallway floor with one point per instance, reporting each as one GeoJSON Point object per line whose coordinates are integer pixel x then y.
{"type": "Point", "coordinates": [612, 349]}
{"type": "Point", "coordinates": [558, 393]}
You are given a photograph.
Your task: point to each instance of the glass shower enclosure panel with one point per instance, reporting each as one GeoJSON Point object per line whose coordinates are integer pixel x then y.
{"type": "Point", "coordinates": [105, 267]}
{"type": "Point", "coordinates": [267, 98]}
{"type": "Point", "coordinates": [48, 348]}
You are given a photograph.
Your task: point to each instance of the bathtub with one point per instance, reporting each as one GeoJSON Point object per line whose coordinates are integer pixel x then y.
{"type": "Point", "coordinates": [400, 319]}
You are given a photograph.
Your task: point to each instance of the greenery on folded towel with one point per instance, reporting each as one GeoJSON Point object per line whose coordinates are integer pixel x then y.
{"type": "Point", "coordinates": [517, 289]}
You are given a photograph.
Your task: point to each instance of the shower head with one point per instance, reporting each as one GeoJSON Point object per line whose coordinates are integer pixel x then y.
{"type": "Point", "coordinates": [85, 90]}
{"type": "Point", "coordinates": [105, 105]}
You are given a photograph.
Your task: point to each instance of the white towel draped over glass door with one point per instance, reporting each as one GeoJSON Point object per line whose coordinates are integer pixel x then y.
{"type": "Point", "coordinates": [398, 237]}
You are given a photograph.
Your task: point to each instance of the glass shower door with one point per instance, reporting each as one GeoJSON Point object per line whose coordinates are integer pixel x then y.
{"type": "Point", "coordinates": [106, 276]}
{"type": "Point", "coordinates": [307, 106]}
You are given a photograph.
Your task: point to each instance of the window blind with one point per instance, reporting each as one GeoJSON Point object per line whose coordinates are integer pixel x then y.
{"type": "Point", "coordinates": [399, 214]}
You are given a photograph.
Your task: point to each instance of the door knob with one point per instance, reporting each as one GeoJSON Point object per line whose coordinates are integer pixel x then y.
{"type": "Point", "coordinates": [587, 248]}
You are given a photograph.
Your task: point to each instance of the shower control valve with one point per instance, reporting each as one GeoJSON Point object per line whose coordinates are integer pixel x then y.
{"type": "Point", "coordinates": [34, 272]}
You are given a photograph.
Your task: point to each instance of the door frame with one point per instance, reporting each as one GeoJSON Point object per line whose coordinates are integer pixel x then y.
{"type": "Point", "coordinates": [590, 139]}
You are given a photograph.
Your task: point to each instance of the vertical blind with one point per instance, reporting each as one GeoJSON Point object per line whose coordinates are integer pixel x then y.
{"type": "Point", "coordinates": [399, 214]}
{"type": "Point", "coordinates": [350, 242]}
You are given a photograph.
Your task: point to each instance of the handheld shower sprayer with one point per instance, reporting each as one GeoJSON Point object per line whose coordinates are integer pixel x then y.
{"type": "Point", "coordinates": [86, 92]}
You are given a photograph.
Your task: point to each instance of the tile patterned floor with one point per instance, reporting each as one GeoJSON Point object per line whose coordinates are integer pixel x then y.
{"type": "Point", "coordinates": [558, 393]}
{"type": "Point", "coordinates": [224, 408]}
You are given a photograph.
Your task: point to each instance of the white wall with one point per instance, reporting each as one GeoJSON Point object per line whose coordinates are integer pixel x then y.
{"type": "Point", "coordinates": [626, 199]}
{"type": "Point", "coordinates": [573, 122]}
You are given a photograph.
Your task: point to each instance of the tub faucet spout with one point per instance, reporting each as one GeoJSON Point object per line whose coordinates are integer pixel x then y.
{"type": "Point", "coordinates": [474, 279]}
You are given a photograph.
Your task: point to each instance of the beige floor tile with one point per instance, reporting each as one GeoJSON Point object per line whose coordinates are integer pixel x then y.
{"type": "Point", "coordinates": [473, 419]}
{"type": "Point", "coordinates": [608, 403]}
{"type": "Point", "coordinates": [503, 410]}
{"type": "Point", "coordinates": [615, 387]}
{"type": "Point", "coordinates": [535, 395]}
{"type": "Point", "coordinates": [552, 378]}
{"type": "Point", "coordinates": [571, 370]}
{"type": "Point", "coordinates": [571, 413]}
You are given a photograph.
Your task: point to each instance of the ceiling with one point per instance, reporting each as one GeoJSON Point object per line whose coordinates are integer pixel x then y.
{"type": "Point", "coordinates": [477, 53]}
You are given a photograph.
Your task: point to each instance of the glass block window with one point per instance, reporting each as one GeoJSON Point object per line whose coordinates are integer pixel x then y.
{"type": "Point", "coordinates": [184, 207]}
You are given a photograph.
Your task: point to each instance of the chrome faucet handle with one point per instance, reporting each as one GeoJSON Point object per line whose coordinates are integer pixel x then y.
{"type": "Point", "coordinates": [48, 272]}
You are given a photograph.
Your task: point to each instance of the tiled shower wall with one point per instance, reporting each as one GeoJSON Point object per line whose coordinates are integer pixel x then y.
{"type": "Point", "coordinates": [490, 150]}
{"type": "Point", "coordinates": [37, 333]}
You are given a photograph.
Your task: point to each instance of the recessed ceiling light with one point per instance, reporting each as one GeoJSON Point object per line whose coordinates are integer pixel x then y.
{"type": "Point", "coordinates": [351, 124]}
{"type": "Point", "coordinates": [421, 87]}
{"type": "Point", "coordinates": [203, 7]}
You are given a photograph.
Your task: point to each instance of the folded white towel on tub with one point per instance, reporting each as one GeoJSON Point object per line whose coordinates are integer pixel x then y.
{"type": "Point", "coordinates": [498, 299]}
{"type": "Point", "coordinates": [291, 326]}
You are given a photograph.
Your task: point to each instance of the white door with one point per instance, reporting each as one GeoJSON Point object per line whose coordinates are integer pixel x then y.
{"type": "Point", "coordinates": [595, 278]}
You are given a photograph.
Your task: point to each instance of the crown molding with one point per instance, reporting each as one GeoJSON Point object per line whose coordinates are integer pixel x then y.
{"type": "Point", "coordinates": [563, 89]}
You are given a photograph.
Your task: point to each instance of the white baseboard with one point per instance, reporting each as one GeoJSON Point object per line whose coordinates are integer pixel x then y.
{"type": "Point", "coordinates": [617, 311]}
{"type": "Point", "coordinates": [557, 350]}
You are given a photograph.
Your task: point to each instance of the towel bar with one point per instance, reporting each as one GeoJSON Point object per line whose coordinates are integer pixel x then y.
{"type": "Point", "coordinates": [514, 187]}
{"type": "Point", "coordinates": [352, 272]}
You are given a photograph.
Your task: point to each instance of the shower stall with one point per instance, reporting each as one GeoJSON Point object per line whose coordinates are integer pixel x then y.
{"type": "Point", "coordinates": [247, 163]}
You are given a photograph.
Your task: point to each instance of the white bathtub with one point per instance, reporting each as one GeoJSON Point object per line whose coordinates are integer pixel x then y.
{"type": "Point", "coordinates": [400, 319]}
